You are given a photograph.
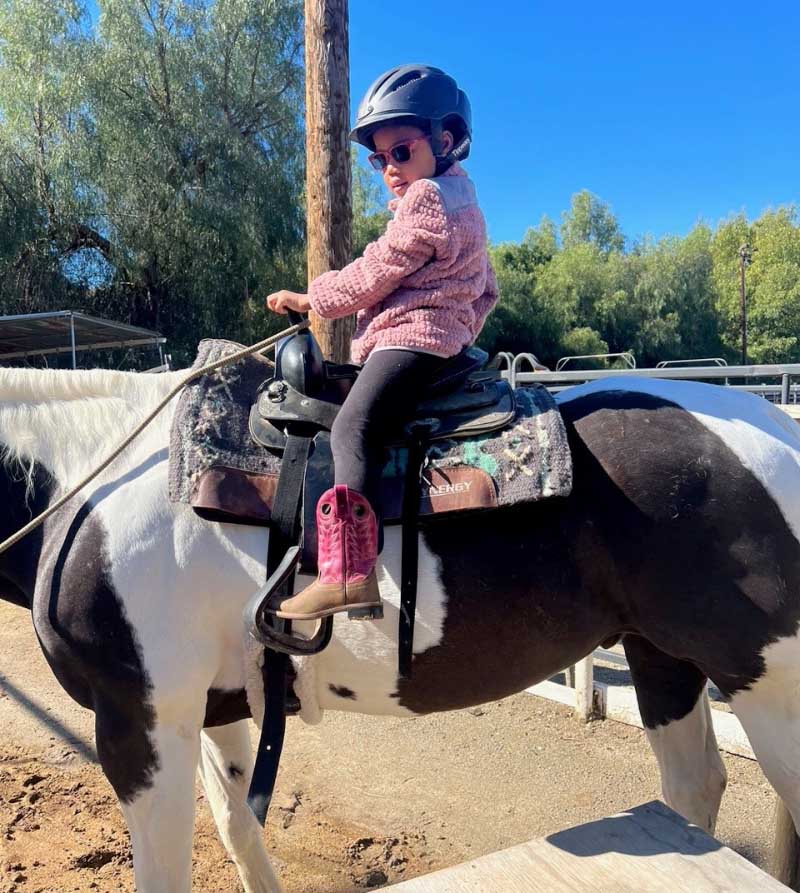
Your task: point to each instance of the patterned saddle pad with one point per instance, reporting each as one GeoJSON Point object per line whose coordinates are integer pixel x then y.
{"type": "Point", "coordinates": [217, 468]}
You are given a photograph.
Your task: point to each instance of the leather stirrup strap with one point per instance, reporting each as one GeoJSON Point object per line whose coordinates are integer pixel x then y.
{"type": "Point", "coordinates": [409, 559]}
{"type": "Point", "coordinates": [284, 533]}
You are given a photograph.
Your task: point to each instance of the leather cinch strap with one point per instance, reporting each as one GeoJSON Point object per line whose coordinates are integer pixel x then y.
{"type": "Point", "coordinates": [418, 432]}
{"type": "Point", "coordinates": [284, 533]}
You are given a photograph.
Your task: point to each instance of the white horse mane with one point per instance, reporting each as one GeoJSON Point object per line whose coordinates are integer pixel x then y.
{"type": "Point", "coordinates": [46, 385]}
{"type": "Point", "coordinates": [69, 420]}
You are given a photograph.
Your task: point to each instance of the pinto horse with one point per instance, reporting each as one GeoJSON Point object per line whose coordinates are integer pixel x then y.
{"type": "Point", "coordinates": [681, 536]}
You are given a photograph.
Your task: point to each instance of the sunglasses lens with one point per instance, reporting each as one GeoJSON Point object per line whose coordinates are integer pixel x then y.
{"type": "Point", "coordinates": [401, 154]}
{"type": "Point", "coordinates": [378, 161]}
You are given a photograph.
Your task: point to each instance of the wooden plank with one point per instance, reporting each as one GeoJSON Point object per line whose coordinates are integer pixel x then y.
{"type": "Point", "coordinates": [792, 409]}
{"type": "Point", "coordinates": [649, 848]}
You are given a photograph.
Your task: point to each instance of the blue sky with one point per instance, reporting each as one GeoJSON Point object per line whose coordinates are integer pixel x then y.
{"type": "Point", "coordinates": [671, 113]}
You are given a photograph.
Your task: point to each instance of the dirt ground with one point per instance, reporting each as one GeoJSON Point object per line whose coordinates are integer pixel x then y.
{"type": "Point", "coordinates": [399, 799]}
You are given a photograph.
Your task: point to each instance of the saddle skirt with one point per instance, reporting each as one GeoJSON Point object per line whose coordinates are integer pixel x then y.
{"type": "Point", "coordinates": [218, 469]}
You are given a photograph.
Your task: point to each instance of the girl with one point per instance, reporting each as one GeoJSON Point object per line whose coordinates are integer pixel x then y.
{"type": "Point", "coordinates": [422, 292]}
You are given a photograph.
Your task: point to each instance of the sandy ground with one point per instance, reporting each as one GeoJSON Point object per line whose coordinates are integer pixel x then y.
{"type": "Point", "coordinates": [362, 802]}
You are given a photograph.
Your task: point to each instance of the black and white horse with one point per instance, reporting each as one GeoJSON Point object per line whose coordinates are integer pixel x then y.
{"type": "Point", "coordinates": [682, 534]}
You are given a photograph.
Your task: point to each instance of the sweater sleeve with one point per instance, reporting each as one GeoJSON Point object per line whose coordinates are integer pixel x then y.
{"type": "Point", "coordinates": [485, 303]}
{"type": "Point", "coordinates": [410, 241]}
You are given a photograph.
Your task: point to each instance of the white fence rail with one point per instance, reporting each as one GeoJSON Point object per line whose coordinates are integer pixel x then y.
{"type": "Point", "coordinates": [748, 377]}
{"type": "Point", "coordinates": [592, 699]}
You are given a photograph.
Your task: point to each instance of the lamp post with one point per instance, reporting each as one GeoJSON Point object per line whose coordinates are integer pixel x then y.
{"type": "Point", "coordinates": [745, 259]}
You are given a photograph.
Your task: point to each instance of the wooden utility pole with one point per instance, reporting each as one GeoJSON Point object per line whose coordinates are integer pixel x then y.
{"type": "Point", "coordinates": [745, 259]}
{"type": "Point", "coordinates": [328, 178]}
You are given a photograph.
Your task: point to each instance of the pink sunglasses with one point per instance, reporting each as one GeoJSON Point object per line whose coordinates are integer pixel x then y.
{"type": "Point", "coordinates": [400, 153]}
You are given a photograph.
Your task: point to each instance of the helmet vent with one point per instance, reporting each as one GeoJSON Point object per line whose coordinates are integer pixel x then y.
{"type": "Point", "coordinates": [408, 78]}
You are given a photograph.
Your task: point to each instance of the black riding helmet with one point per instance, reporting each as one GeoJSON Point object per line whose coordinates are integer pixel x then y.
{"type": "Point", "coordinates": [423, 96]}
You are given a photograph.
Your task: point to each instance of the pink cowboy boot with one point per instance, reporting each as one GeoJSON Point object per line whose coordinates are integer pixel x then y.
{"type": "Point", "coordinates": [348, 549]}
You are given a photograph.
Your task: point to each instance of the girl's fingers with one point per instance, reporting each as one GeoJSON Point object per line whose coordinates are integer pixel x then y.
{"type": "Point", "coordinates": [276, 303]}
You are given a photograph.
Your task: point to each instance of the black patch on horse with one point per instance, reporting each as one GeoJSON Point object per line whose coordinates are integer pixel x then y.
{"type": "Point", "coordinates": [667, 689]}
{"type": "Point", "coordinates": [713, 569]}
{"type": "Point", "coordinates": [342, 691]}
{"type": "Point", "coordinates": [224, 706]}
{"type": "Point", "coordinates": [92, 648]}
{"type": "Point", "coordinates": [666, 534]}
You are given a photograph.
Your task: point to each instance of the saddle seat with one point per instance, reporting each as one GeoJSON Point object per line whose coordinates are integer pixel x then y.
{"type": "Point", "coordinates": [463, 400]}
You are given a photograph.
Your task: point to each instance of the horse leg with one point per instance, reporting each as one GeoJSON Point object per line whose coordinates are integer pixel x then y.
{"type": "Point", "coordinates": [677, 719]}
{"type": "Point", "coordinates": [226, 765]}
{"type": "Point", "coordinates": [151, 765]}
{"type": "Point", "coordinates": [769, 712]}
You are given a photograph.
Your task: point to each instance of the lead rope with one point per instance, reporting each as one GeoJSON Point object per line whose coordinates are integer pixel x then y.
{"type": "Point", "coordinates": [195, 373]}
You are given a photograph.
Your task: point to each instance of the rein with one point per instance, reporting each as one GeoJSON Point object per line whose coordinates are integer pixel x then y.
{"type": "Point", "coordinates": [194, 374]}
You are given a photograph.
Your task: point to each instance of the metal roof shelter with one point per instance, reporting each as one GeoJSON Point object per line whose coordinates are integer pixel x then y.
{"type": "Point", "coordinates": [68, 331]}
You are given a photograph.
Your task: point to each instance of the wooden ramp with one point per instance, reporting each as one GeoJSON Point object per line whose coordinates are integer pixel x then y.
{"type": "Point", "coordinates": [649, 848]}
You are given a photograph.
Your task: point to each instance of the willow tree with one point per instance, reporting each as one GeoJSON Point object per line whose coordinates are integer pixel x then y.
{"type": "Point", "coordinates": [161, 156]}
{"type": "Point", "coordinates": [44, 48]}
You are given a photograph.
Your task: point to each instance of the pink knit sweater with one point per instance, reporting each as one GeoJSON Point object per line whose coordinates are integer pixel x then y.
{"type": "Point", "coordinates": [426, 283]}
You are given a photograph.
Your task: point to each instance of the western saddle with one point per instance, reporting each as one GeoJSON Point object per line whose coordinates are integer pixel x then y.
{"type": "Point", "coordinates": [292, 417]}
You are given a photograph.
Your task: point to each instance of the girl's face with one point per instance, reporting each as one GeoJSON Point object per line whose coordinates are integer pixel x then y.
{"type": "Point", "coordinates": [399, 175]}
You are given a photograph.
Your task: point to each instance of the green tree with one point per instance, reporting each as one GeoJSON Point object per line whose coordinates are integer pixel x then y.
{"type": "Point", "coordinates": [541, 242]}
{"type": "Point", "coordinates": [585, 342]}
{"type": "Point", "coordinates": [589, 220]}
{"type": "Point", "coordinates": [524, 319]}
{"type": "Point", "coordinates": [588, 295]}
{"type": "Point", "coordinates": [200, 159]}
{"type": "Point", "coordinates": [370, 214]}
{"type": "Point", "coordinates": [774, 320]}
{"type": "Point", "coordinates": [671, 305]}
{"type": "Point", "coordinates": [161, 160]}
{"type": "Point", "coordinates": [574, 282]}
{"type": "Point", "coordinates": [44, 50]}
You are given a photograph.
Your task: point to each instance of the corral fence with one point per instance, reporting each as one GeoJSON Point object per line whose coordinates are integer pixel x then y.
{"type": "Point", "coordinates": [588, 696]}
{"type": "Point", "coordinates": [778, 381]}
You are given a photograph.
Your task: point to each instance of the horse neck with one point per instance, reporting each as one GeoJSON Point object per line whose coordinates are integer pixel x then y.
{"type": "Point", "coordinates": [55, 427]}
{"type": "Point", "coordinates": [67, 421]}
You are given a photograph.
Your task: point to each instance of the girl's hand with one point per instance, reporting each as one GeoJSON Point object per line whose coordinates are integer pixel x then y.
{"type": "Point", "coordinates": [283, 300]}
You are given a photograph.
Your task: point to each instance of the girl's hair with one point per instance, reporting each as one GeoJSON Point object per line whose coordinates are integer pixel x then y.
{"type": "Point", "coordinates": [368, 136]}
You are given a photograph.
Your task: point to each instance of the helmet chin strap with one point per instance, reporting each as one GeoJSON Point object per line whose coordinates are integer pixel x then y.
{"type": "Point", "coordinates": [443, 164]}
{"type": "Point", "coordinates": [445, 161]}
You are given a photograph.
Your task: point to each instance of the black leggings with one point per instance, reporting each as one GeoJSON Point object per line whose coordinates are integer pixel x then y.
{"type": "Point", "coordinates": [383, 397]}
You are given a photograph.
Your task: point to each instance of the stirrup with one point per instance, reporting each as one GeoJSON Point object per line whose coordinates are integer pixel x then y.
{"type": "Point", "coordinates": [271, 630]}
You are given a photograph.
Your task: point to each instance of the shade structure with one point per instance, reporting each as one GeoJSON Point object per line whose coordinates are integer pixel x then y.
{"type": "Point", "coordinates": [68, 331]}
